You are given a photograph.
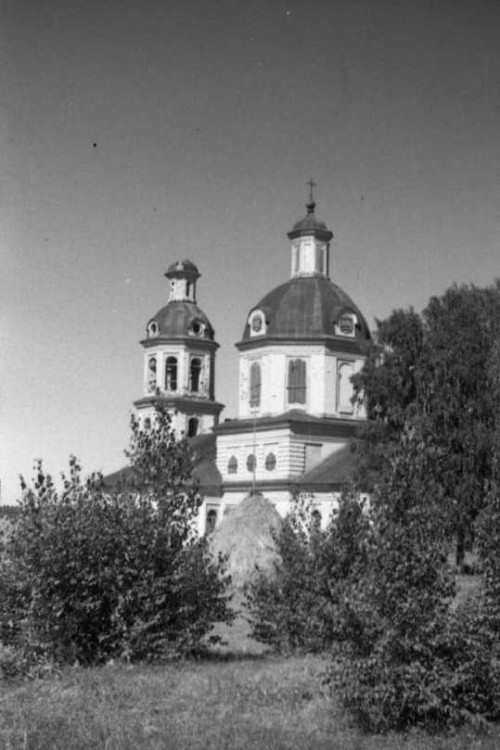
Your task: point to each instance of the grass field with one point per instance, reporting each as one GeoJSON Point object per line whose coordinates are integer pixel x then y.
{"type": "Point", "coordinates": [227, 703]}
{"type": "Point", "coordinates": [239, 698]}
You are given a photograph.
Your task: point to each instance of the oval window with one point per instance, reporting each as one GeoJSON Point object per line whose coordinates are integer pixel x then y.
{"type": "Point", "coordinates": [270, 462]}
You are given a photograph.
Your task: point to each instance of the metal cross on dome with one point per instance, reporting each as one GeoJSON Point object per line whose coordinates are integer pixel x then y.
{"type": "Point", "coordinates": [312, 185]}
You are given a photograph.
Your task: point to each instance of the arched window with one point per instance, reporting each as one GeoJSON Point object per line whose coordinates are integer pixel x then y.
{"type": "Point", "coordinates": [147, 423]}
{"type": "Point", "coordinates": [251, 462]}
{"type": "Point", "coordinates": [192, 427]}
{"type": "Point", "coordinates": [211, 520]}
{"type": "Point", "coordinates": [255, 384]}
{"type": "Point", "coordinates": [232, 465]}
{"type": "Point", "coordinates": [296, 381]}
{"type": "Point", "coordinates": [151, 377]}
{"type": "Point", "coordinates": [171, 374]}
{"type": "Point", "coordinates": [194, 374]}
{"type": "Point", "coordinates": [270, 462]}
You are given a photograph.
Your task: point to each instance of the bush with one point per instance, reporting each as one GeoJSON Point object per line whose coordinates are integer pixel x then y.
{"type": "Point", "coordinates": [91, 574]}
{"type": "Point", "coordinates": [296, 606]}
{"type": "Point", "coordinates": [409, 660]}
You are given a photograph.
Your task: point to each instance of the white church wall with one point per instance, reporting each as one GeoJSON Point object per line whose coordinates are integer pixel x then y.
{"type": "Point", "coordinates": [326, 373]}
{"type": "Point", "coordinates": [241, 446]}
{"type": "Point", "coordinates": [294, 454]}
{"type": "Point", "coordinates": [324, 502]}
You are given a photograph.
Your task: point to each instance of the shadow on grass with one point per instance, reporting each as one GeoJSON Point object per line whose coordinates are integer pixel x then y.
{"type": "Point", "coordinates": [231, 656]}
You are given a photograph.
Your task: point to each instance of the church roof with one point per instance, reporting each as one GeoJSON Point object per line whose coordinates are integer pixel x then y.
{"type": "Point", "coordinates": [180, 318]}
{"type": "Point", "coordinates": [336, 469]}
{"type": "Point", "coordinates": [305, 307]}
{"type": "Point", "coordinates": [202, 449]}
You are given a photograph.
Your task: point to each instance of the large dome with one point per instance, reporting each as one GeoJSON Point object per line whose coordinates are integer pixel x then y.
{"type": "Point", "coordinates": [179, 319]}
{"type": "Point", "coordinates": [305, 308]}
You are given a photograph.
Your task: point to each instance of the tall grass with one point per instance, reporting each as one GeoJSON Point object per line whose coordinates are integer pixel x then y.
{"type": "Point", "coordinates": [220, 704]}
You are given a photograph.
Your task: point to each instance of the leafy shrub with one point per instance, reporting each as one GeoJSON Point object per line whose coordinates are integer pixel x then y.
{"type": "Point", "coordinates": [296, 607]}
{"type": "Point", "coordinates": [489, 521]}
{"type": "Point", "coordinates": [408, 659]}
{"type": "Point", "coordinates": [10, 662]}
{"type": "Point", "coordinates": [92, 574]}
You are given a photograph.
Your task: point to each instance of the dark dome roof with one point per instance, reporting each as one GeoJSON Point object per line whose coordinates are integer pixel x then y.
{"type": "Point", "coordinates": [181, 318]}
{"type": "Point", "coordinates": [182, 268]}
{"type": "Point", "coordinates": [311, 225]}
{"type": "Point", "coordinates": [306, 307]}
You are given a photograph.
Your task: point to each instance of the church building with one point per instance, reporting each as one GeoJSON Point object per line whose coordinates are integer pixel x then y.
{"type": "Point", "coordinates": [300, 346]}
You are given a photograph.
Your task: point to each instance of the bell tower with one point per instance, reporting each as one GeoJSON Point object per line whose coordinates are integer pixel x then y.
{"type": "Point", "coordinates": [179, 358]}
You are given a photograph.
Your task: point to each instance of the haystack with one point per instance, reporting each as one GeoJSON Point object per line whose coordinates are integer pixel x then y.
{"type": "Point", "coordinates": [245, 536]}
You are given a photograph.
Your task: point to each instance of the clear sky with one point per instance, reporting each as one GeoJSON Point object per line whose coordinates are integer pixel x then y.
{"type": "Point", "coordinates": [138, 132]}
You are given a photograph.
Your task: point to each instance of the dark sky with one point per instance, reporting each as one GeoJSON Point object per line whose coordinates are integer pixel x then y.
{"type": "Point", "coordinates": [135, 133]}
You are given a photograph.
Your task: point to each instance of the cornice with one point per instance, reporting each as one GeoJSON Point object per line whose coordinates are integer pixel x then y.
{"type": "Point", "coordinates": [296, 423]}
{"type": "Point", "coordinates": [181, 403]}
{"type": "Point", "coordinates": [291, 485]}
{"type": "Point", "coordinates": [191, 341]}
{"type": "Point", "coordinates": [331, 343]}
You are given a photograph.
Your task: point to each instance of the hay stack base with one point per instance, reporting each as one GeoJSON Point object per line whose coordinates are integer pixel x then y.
{"type": "Point", "coordinates": [245, 536]}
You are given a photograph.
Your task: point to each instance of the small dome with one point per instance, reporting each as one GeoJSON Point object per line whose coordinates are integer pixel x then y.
{"type": "Point", "coordinates": [182, 268]}
{"type": "Point", "coordinates": [179, 319]}
{"type": "Point", "coordinates": [306, 307]}
{"type": "Point", "coordinates": [310, 225]}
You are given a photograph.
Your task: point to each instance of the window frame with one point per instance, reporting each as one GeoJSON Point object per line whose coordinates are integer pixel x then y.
{"type": "Point", "coordinates": [192, 361]}
{"type": "Point", "coordinates": [354, 321]}
{"type": "Point", "coordinates": [302, 361]}
{"type": "Point", "coordinates": [232, 465]}
{"type": "Point", "coordinates": [257, 315]}
{"type": "Point", "coordinates": [342, 408]}
{"type": "Point", "coordinates": [171, 365]}
{"type": "Point", "coordinates": [270, 461]}
{"type": "Point", "coordinates": [255, 389]}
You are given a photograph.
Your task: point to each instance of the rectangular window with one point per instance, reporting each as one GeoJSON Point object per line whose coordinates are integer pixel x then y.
{"type": "Point", "coordinates": [195, 374]}
{"type": "Point", "coordinates": [320, 258]}
{"type": "Point", "coordinates": [296, 387]}
{"type": "Point", "coordinates": [345, 389]}
{"type": "Point", "coordinates": [255, 384]}
{"type": "Point", "coordinates": [210, 519]}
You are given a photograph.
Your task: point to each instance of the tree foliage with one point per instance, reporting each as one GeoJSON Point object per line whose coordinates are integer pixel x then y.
{"type": "Point", "coordinates": [93, 573]}
{"type": "Point", "coordinates": [296, 606]}
{"type": "Point", "coordinates": [489, 521]}
{"type": "Point", "coordinates": [433, 369]}
{"type": "Point", "coordinates": [408, 658]}
{"type": "Point", "coordinates": [430, 459]}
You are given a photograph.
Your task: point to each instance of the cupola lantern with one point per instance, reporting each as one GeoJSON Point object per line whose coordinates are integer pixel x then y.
{"type": "Point", "coordinates": [310, 243]}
